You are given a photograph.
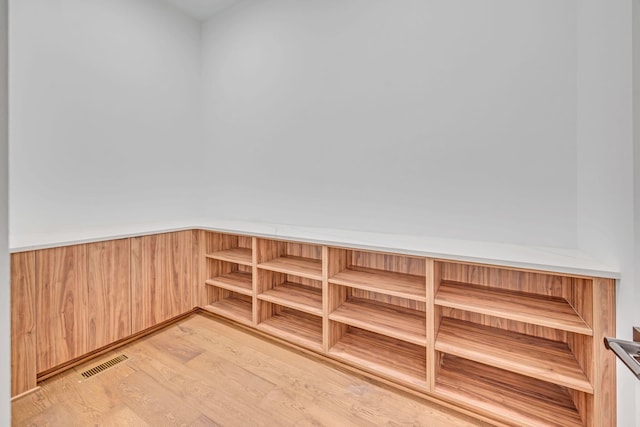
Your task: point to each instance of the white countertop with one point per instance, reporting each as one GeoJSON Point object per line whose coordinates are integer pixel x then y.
{"type": "Point", "coordinates": [569, 261]}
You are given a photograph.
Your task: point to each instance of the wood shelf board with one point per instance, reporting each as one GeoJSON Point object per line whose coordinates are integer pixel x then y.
{"type": "Point", "coordinates": [294, 265]}
{"type": "Point", "coordinates": [552, 312]}
{"type": "Point", "coordinates": [521, 400]}
{"type": "Point", "coordinates": [386, 319]}
{"type": "Point", "coordinates": [387, 356]}
{"type": "Point", "coordinates": [407, 286]}
{"type": "Point", "coordinates": [233, 308]}
{"type": "Point", "coordinates": [235, 255]}
{"type": "Point", "coordinates": [298, 328]}
{"type": "Point", "coordinates": [237, 281]}
{"type": "Point", "coordinates": [523, 354]}
{"type": "Point", "coordinates": [297, 296]}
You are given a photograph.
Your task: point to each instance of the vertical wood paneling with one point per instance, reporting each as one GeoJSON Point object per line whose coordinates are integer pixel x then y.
{"type": "Point", "coordinates": [23, 322]}
{"type": "Point", "coordinates": [604, 361]}
{"type": "Point", "coordinates": [61, 305]}
{"type": "Point", "coordinates": [161, 271]}
{"type": "Point", "coordinates": [109, 292]}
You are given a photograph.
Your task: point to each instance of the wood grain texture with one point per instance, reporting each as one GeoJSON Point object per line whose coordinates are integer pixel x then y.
{"type": "Point", "coordinates": [250, 381]}
{"type": "Point", "coordinates": [23, 322]}
{"type": "Point", "coordinates": [389, 262]}
{"type": "Point", "coordinates": [604, 361]}
{"type": "Point", "coordinates": [552, 312]}
{"type": "Point", "coordinates": [235, 255]}
{"type": "Point", "coordinates": [161, 268]}
{"type": "Point", "coordinates": [61, 305]}
{"type": "Point", "coordinates": [296, 296]}
{"type": "Point", "coordinates": [517, 399]}
{"type": "Point", "coordinates": [432, 358]}
{"type": "Point", "coordinates": [393, 321]}
{"type": "Point", "coordinates": [231, 305]}
{"type": "Point", "coordinates": [236, 281]}
{"type": "Point", "coordinates": [381, 281]}
{"type": "Point", "coordinates": [534, 357]}
{"type": "Point", "coordinates": [304, 267]}
{"type": "Point", "coordinates": [294, 326]}
{"type": "Point", "coordinates": [109, 292]}
{"type": "Point", "coordinates": [391, 358]}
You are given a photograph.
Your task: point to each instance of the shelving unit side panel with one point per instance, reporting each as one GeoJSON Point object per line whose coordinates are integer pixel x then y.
{"type": "Point", "coordinates": [582, 299]}
{"type": "Point", "coordinates": [338, 260]}
{"type": "Point", "coordinates": [200, 260]}
{"type": "Point", "coordinates": [507, 325]}
{"type": "Point", "coordinates": [23, 322]}
{"type": "Point", "coordinates": [389, 262]}
{"type": "Point", "coordinates": [582, 348]}
{"type": "Point", "coordinates": [501, 278]}
{"type": "Point", "coordinates": [604, 361]}
{"type": "Point", "coordinates": [388, 299]}
{"type": "Point", "coordinates": [430, 287]}
{"type": "Point", "coordinates": [584, 405]}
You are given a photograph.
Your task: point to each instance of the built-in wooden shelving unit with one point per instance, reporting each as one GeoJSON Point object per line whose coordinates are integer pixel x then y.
{"type": "Point", "coordinates": [520, 347]}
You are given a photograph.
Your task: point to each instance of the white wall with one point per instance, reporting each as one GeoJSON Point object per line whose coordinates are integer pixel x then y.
{"type": "Point", "coordinates": [5, 289]}
{"type": "Point", "coordinates": [606, 167]}
{"type": "Point", "coordinates": [105, 114]}
{"type": "Point", "coordinates": [439, 117]}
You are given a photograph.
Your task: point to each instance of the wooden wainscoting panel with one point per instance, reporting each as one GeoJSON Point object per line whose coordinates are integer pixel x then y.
{"type": "Point", "coordinates": [61, 305]}
{"type": "Point", "coordinates": [23, 322]}
{"type": "Point", "coordinates": [161, 271]}
{"type": "Point", "coordinates": [109, 292]}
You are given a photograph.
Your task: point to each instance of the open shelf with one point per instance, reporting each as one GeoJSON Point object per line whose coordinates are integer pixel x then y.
{"type": "Point", "coordinates": [295, 326]}
{"type": "Point", "coordinates": [402, 285]}
{"type": "Point", "coordinates": [235, 255]}
{"type": "Point", "coordinates": [521, 400]}
{"type": "Point", "coordinates": [540, 358]}
{"type": "Point", "coordinates": [298, 266]}
{"type": "Point", "coordinates": [236, 281]}
{"type": "Point", "coordinates": [391, 320]}
{"type": "Point", "coordinates": [383, 355]}
{"type": "Point", "coordinates": [297, 296]}
{"type": "Point", "coordinates": [552, 312]}
{"type": "Point", "coordinates": [236, 307]}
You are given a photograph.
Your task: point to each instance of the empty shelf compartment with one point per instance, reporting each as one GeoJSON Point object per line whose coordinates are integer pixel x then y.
{"type": "Point", "coordinates": [541, 358]}
{"type": "Point", "coordinates": [297, 296]}
{"type": "Point", "coordinates": [402, 285]}
{"type": "Point", "coordinates": [298, 266]}
{"type": "Point", "coordinates": [236, 281]}
{"type": "Point", "coordinates": [519, 399]}
{"type": "Point", "coordinates": [391, 320]}
{"type": "Point", "coordinates": [234, 306]}
{"type": "Point", "coordinates": [392, 358]}
{"type": "Point", "coordinates": [553, 312]}
{"type": "Point", "coordinates": [235, 255]}
{"type": "Point", "coordinates": [295, 326]}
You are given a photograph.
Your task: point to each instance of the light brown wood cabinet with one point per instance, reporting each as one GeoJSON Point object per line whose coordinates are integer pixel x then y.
{"type": "Point", "coordinates": [161, 285]}
{"type": "Point", "coordinates": [61, 305]}
{"type": "Point", "coordinates": [109, 292]}
{"type": "Point", "coordinates": [510, 345]}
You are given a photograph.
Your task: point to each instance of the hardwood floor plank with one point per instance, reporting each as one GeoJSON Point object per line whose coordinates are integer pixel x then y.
{"type": "Point", "coordinates": [205, 372]}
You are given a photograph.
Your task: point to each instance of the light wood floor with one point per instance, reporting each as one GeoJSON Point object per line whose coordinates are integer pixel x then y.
{"type": "Point", "coordinates": [204, 372]}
